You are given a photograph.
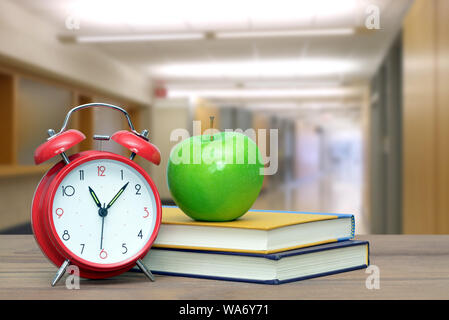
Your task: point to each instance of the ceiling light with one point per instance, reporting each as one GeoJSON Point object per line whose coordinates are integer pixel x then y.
{"type": "Point", "coordinates": [302, 105]}
{"type": "Point", "coordinates": [140, 38]}
{"type": "Point", "coordinates": [208, 35]}
{"type": "Point", "coordinates": [285, 33]}
{"type": "Point", "coordinates": [253, 84]}
{"type": "Point", "coordinates": [266, 93]}
{"type": "Point", "coordinates": [255, 69]}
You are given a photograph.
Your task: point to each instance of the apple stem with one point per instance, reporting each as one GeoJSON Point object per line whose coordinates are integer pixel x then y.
{"type": "Point", "coordinates": [211, 126]}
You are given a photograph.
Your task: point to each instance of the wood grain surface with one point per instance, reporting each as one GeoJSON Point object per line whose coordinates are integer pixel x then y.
{"type": "Point", "coordinates": [411, 267]}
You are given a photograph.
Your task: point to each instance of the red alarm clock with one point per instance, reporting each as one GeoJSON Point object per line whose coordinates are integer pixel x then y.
{"type": "Point", "coordinates": [97, 210]}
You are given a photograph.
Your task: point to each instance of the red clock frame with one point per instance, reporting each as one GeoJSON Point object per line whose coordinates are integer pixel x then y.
{"type": "Point", "coordinates": [44, 229]}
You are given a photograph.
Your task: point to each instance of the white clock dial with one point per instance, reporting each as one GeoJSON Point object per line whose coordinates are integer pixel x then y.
{"type": "Point", "coordinates": [120, 228]}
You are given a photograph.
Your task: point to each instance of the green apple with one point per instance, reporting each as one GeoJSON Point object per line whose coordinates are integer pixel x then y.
{"type": "Point", "coordinates": [215, 177]}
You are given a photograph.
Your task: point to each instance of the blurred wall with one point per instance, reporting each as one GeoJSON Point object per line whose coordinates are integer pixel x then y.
{"type": "Point", "coordinates": [28, 42]}
{"type": "Point", "coordinates": [308, 150]}
{"type": "Point", "coordinates": [426, 118]}
{"type": "Point", "coordinates": [37, 100]}
{"type": "Point", "coordinates": [167, 115]}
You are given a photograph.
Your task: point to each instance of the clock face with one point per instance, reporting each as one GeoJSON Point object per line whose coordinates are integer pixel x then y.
{"type": "Point", "coordinates": [104, 211]}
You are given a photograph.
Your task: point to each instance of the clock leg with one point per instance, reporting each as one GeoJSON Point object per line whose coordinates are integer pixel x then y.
{"type": "Point", "coordinates": [145, 270]}
{"type": "Point", "coordinates": [60, 272]}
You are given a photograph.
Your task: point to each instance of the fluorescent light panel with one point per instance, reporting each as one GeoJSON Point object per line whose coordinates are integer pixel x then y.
{"type": "Point", "coordinates": [255, 69]}
{"type": "Point", "coordinates": [251, 84]}
{"type": "Point", "coordinates": [140, 38]}
{"type": "Point", "coordinates": [285, 33]}
{"type": "Point", "coordinates": [265, 93]}
{"type": "Point", "coordinates": [296, 105]}
{"type": "Point", "coordinates": [218, 35]}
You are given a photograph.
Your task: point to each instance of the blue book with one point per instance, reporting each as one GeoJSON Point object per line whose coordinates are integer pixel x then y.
{"type": "Point", "coordinates": [274, 268]}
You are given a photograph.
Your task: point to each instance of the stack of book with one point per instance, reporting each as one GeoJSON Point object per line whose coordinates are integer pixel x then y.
{"type": "Point", "coordinates": [269, 247]}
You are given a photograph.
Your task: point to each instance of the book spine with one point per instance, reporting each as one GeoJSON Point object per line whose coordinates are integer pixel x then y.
{"type": "Point", "coordinates": [323, 274]}
{"type": "Point", "coordinates": [270, 282]}
{"type": "Point", "coordinates": [199, 276]}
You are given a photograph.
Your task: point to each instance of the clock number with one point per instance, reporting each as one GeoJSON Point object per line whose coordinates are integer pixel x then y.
{"type": "Point", "coordinates": [146, 210]}
{"type": "Point", "coordinates": [140, 234]}
{"type": "Point", "coordinates": [101, 170]}
{"type": "Point", "coordinates": [65, 236]}
{"type": "Point", "coordinates": [124, 247]}
{"type": "Point", "coordinates": [82, 249]}
{"type": "Point", "coordinates": [103, 254]}
{"type": "Point", "coordinates": [121, 174]}
{"type": "Point", "coordinates": [138, 187]}
{"type": "Point", "coordinates": [81, 174]}
{"type": "Point", "coordinates": [68, 191]}
{"type": "Point", "coordinates": [59, 212]}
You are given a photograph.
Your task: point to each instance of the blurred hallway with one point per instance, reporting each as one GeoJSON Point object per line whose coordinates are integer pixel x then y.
{"type": "Point", "coordinates": [356, 91]}
{"type": "Point", "coordinates": [332, 193]}
{"type": "Point", "coordinates": [328, 175]}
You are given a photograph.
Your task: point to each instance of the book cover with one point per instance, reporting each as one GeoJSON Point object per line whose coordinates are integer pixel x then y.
{"type": "Point", "coordinates": [253, 219]}
{"type": "Point", "coordinates": [337, 264]}
{"type": "Point", "coordinates": [263, 220]}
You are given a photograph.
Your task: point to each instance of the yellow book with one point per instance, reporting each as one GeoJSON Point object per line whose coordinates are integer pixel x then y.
{"type": "Point", "coordinates": [258, 231]}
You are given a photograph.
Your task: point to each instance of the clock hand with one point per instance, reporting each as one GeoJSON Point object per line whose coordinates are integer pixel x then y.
{"type": "Point", "coordinates": [101, 239]}
{"type": "Point", "coordinates": [94, 196]}
{"type": "Point", "coordinates": [117, 195]}
{"type": "Point", "coordinates": [102, 212]}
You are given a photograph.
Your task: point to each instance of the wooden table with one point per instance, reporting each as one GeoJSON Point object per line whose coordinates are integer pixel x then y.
{"type": "Point", "coordinates": [411, 267]}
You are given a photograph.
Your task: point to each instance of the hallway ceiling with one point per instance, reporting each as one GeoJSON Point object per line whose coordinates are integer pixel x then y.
{"type": "Point", "coordinates": [250, 62]}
